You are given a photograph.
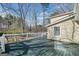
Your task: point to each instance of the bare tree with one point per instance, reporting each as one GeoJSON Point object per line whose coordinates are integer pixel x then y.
{"type": "Point", "coordinates": [21, 11]}
{"type": "Point", "coordinates": [34, 17]}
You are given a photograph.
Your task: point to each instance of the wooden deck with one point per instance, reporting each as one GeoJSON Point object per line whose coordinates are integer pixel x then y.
{"type": "Point", "coordinates": [41, 47]}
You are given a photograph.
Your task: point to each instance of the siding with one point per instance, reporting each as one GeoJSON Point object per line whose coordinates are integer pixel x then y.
{"type": "Point", "coordinates": [76, 34]}
{"type": "Point", "coordinates": [66, 29]}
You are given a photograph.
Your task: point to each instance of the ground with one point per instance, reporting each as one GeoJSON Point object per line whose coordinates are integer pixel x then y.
{"type": "Point", "coordinates": [41, 47]}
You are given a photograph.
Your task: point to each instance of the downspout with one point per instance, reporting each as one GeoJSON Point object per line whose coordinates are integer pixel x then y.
{"type": "Point", "coordinates": [73, 30]}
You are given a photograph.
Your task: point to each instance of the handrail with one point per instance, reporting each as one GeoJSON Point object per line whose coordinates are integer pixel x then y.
{"type": "Point", "coordinates": [23, 34]}
{"type": "Point", "coordinates": [15, 37]}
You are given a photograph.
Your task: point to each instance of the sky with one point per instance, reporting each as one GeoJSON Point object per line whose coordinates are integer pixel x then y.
{"type": "Point", "coordinates": [38, 9]}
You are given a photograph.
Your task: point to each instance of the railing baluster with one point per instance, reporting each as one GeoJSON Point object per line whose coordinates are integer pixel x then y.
{"type": "Point", "coordinates": [28, 35]}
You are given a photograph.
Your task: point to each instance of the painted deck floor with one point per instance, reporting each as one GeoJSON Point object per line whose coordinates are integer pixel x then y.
{"type": "Point", "coordinates": [41, 47]}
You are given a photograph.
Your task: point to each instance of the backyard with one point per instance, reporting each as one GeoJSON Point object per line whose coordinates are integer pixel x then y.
{"type": "Point", "coordinates": [29, 29]}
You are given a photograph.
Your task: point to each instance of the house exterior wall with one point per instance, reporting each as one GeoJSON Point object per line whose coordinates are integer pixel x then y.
{"type": "Point", "coordinates": [76, 11]}
{"type": "Point", "coordinates": [76, 32]}
{"type": "Point", "coordinates": [58, 18]}
{"type": "Point", "coordinates": [67, 33]}
{"type": "Point", "coordinates": [49, 32]}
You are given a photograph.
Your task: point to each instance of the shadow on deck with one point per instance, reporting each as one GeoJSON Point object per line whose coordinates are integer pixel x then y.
{"type": "Point", "coordinates": [42, 47]}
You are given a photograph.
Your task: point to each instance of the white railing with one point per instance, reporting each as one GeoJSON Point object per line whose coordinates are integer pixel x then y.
{"type": "Point", "coordinates": [27, 34]}
{"type": "Point", "coordinates": [24, 36]}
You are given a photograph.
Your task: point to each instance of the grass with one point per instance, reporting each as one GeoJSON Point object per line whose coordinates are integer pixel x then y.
{"type": "Point", "coordinates": [12, 31]}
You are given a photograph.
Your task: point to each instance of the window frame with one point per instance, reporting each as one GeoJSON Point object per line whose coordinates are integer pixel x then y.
{"type": "Point", "coordinates": [58, 34]}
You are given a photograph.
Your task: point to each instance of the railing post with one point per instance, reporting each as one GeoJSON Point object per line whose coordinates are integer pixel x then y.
{"type": "Point", "coordinates": [27, 35]}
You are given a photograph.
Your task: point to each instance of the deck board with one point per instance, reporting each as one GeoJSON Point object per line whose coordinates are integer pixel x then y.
{"type": "Point", "coordinates": [42, 47]}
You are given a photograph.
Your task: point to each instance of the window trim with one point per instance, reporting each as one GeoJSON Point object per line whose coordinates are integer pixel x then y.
{"type": "Point", "coordinates": [54, 31]}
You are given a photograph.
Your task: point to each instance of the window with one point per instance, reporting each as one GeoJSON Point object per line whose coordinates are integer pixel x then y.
{"type": "Point", "coordinates": [56, 31]}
